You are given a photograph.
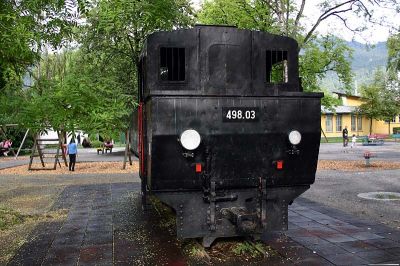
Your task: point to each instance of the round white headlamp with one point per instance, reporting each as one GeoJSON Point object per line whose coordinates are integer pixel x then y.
{"type": "Point", "coordinates": [294, 137]}
{"type": "Point", "coordinates": [190, 139]}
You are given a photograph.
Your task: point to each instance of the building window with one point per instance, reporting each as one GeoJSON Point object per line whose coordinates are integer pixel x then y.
{"type": "Point", "coordinates": [353, 122]}
{"type": "Point", "coordinates": [328, 123]}
{"type": "Point", "coordinates": [339, 123]}
{"type": "Point", "coordinates": [277, 66]}
{"type": "Point", "coordinates": [172, 64]}
{"type": "Point", "coordinates": [394, 119]}
{"type": "Point", "coordinates": [359, 123]}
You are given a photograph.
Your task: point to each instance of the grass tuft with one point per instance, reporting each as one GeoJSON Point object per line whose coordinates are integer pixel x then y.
{"type": "Point", "coordinates": [9, 218]}
{"type": "Point", "coordinates": [246, 248]}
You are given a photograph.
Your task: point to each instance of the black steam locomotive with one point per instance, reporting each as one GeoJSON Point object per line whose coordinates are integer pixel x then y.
{"type": "Point", "coordinates": [225, 135]}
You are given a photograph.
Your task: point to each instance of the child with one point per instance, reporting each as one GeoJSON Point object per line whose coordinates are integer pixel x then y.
{"type": "Point", "coordinates": [6, 146]}
{"type": "Point", "coordinates": [353, 141]}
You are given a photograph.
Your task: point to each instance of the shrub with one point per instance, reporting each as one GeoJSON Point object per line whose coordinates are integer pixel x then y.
{"type": "Point", "coordinates": [96, 144]}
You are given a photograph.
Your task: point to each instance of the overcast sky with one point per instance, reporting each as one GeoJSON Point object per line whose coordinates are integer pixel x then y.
{"type": "Point", "coordinates": [372, 35]}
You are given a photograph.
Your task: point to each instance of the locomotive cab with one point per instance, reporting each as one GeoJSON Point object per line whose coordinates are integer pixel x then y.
{"type": "Point", "coordinates": [224, 134]}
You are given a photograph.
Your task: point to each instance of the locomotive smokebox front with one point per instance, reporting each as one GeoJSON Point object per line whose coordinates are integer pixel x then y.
{"type": "Point", "coordinates": [225, 135]}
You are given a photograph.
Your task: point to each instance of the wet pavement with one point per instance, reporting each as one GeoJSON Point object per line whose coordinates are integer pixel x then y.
{"type": "Point", "coordinates": [105, 225]}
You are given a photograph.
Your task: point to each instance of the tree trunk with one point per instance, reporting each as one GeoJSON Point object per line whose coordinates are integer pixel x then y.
{"type": "Point", "coordinates": [370, 126]}
{"type": "Point", "coordinates": [62, 139]}
{"type": "Point", "coordinates": [126, 150]}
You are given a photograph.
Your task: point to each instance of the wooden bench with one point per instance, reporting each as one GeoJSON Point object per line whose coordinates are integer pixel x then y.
{"type": "Point", "coordinates": [379, 136]}
{"type": "Point", "coordinates": [396, 136]}
{"type": "Point", "coordinates": [100, 149]}
{"type": "Point", "coordinates": [108, 148]}
{"type": "Point", "coordinates": [105, 148]}
{"type": "Point", "coordinates": [374, 139]}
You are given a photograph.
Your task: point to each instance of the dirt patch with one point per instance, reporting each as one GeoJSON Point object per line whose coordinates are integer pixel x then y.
{"type": "Point", "coordinates": [357, 165]}
{"type": "Point", "coordinates": [12, 158]}
{"type": "Point", "coordinates": [80, 168]}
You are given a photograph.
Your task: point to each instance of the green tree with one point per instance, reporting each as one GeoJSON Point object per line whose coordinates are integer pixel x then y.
{"type": "Point", "coordinates": [47, 104]}
{"type": "Point", "coordinates": [111, 42]}
{"type": "Point", "coordinates": [390, 105]}
{"type": "Point", "coordinates": [244, 14]}
{"type": "Point", "coordinates": [371, 93]}
{"type": "Point", "coordinates": [26, 27]}
{"type": "Point", "coordinates": [318, 56]}
{"type": "Point", "coordinates": [381, 102]}
{"type": "Point", "coordinates": [323, 55]}
{"type": "Point", "coordinates": [94, 87]}
{"type": "Point", "coordinates": [289, 15]}
{"type": "Point", "coordinates": [393, 65]}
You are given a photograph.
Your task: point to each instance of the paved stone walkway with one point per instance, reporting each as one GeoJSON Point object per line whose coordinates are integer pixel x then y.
{"type": "Point", "coordinates": [319, 235]}
{"type": "Point", "coordinates": [105, 226]}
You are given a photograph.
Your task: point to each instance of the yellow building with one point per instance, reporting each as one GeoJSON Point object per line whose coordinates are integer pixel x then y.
{"type": "Point", "coordinates": [332, 123]}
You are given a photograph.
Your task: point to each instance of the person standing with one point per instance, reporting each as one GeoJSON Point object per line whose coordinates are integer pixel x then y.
{"type": "Point", "coordinates": [353, 141]}
{"type": "Point", "coordinates": [79, 138]}
{"type": "Point", "coordinates": [345, 134]}
{"type": "Point", "coordinates": [72, 151]}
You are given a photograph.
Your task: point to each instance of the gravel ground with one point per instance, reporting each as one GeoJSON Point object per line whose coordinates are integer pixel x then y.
{"type": "Point", "coordinates": [357, 165]}
{"type": "Point", "coordinates": [390, 151]}
{"type": "Point", "coordinates": [84, 155]}
{"type": "Point", "coordinates": [80, 168]}
{"type": "Point", "coordinates": [339, 189]}
{"type": "Point", "coordinates": [342, 176]}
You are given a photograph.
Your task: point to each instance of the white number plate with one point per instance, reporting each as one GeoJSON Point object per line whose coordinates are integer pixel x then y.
{"type": "Point", "coordinates": [240, 114]}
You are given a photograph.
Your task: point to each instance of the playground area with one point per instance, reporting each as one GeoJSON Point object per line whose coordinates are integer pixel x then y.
{"type": "Point", "coordinates": [80, 168]}
{"type": "Point", "coordinates": [84, 155]}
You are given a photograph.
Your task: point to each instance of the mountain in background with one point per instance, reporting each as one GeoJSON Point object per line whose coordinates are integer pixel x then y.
{"type": "Point", "coordinates": [365, 61]}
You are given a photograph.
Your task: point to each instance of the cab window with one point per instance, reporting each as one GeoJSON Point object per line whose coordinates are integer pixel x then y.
{"type": "Point", "coordinates": [276, 66]}
{"type": "Point", "coordinates": [172, 64]}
